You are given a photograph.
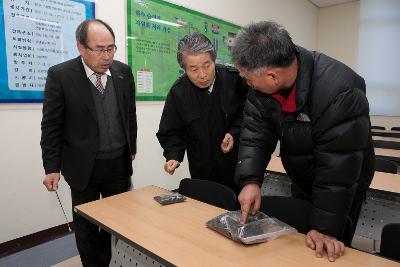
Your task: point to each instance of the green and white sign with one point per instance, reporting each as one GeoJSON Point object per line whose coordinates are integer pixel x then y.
{"type": "Point", "coordinates": [154, 30]}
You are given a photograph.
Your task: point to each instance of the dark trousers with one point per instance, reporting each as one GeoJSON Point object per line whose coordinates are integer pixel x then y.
{"type": "Point", "coordinates": [109, 177]}
{"type": "Point", "coordinates": [221, 170]}
{"type": "Point", "coordinates": [221, 176]}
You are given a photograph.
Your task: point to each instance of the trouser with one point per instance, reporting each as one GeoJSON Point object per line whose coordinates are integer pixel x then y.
{"type": "Point", "coordinates": [219, 168]}
{"type": "Point", "coordinates": [109, 177]}
{"type": "Point", "coordinates": [218, 175]}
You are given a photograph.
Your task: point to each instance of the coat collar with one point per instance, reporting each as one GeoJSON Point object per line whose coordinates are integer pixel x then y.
{"type": "Point", "coordinates": [82, 85]}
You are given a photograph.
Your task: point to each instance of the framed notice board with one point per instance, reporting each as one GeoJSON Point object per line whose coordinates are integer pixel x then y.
{"type": "Point", "coordinates": [154, 30]}
{"type": "Point", "coordinates": [35, 35]}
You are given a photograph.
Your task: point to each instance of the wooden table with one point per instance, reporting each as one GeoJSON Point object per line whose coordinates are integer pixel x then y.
{"type": "Point", "coordinates": [382, 181]}
{"type": "Point", "coordinates": [390, 154]}
{"type": "Point", "coordinates": [384, 138]}
{"type": "Point", "coordinates": [385, 133]}
{"type": "Point", "coordinates": [176, 235]}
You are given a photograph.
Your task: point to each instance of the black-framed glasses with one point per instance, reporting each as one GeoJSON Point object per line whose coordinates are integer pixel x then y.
{"type": "Point", "coordinates": [101, 51]}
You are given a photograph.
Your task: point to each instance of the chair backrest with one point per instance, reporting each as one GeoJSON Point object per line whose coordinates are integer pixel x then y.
{"type": "Point", "coordinates": [296, 212]}
{"type": "Point", "coordinates": [390, 241]}
{"type": "Point", "coordinates": [387, 144]}
{"type": "Point", "coordinates": [209, 192]}
{"type": "Point", "coordinates": [384, 165]}
{"type": "Point", "coordinates": [377, 127]}
{"type": "Point", "coordinates": [292, 211]}
{"type": "Point", "coordinates": [395, 128]}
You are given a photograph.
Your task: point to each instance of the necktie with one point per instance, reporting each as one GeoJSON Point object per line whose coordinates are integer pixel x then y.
{"type": "Point", "coordinates": [99, 84]}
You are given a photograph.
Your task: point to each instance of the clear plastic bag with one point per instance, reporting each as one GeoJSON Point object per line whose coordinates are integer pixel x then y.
{"type": "Point", "coordinates": [170, 199]}
{"type": "Point", "coordinates": [259, 227]}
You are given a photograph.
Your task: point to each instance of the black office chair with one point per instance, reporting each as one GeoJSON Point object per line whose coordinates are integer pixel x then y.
{"type": "Point", "coordinates": [296, 212]}
{"type": "Point", "coordinates": [209, 192]}
{"type": "Point", "coordinates": [292, 211]}
{"type": "Point", "coordinates": [390, 241]}
{"type": "Point", "coordinates": [384, 165]}
{"type": "Point", "coordinates": [377, 127]}
{"type": "Point", "coordinates": [395, 128]}
{"type": "Point", "coordinates": [387, 144]}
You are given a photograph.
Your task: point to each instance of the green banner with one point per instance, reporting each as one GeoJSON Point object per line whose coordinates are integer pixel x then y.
{"type": "Point", "coordinates": [154, 30]}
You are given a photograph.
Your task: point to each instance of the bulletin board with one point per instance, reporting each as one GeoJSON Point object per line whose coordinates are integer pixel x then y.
{"type": "Point", "coordinates": [154, 30]}
{"type": "Point", "coordinates": [35, 35]}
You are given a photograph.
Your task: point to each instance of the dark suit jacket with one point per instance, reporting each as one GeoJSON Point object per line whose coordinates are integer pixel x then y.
{"type": "Point", "coordinates": [70, 135]}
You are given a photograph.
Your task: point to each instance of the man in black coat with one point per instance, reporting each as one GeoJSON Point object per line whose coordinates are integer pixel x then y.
{"type": "Point", "coordinates": [317, 108]}
{"type": "Point", "coordinates": [203, 114]}
{"type": "Point", "coordinates": [89, 130]}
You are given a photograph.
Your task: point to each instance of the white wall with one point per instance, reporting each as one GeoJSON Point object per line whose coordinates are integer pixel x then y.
{"type": "Point", "coordinates": [338, 32]}
{"type": "Point", "coordinates": [26, 207]}
{"type": "Point", "coordinates": [338, 37]}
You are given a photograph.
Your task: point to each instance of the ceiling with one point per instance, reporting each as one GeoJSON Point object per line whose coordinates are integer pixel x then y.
{"type": "Point", "coordinates": [326, 3]}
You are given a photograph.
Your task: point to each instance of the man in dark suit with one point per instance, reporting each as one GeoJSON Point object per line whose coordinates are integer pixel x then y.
{"type": "Point", "coordinates": [89, 130]}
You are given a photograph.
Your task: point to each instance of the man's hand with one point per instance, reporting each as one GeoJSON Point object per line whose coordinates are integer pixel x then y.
{"type": "Point", "coordinates": [51, 180]}
{"type": "Point", "coordinates": [320, 242]}
{"type": "Point", "coordinates": [227, 143]}
{"type": "Point", "coordinates": [250, 200]}
{"type": "Point", "coordinates": [171, 165]}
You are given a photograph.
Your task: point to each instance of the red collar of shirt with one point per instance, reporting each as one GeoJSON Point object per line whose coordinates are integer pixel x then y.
{"type": "Point", "coordinates": [288, 104]}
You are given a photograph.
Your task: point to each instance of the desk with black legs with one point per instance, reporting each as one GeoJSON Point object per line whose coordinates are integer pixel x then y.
{"type": "Point", "coordinates": [390, 154]}
{"type": "Point", "coordinates": [176, 235]}
{"type": "Point", "coordinates": [384, 138]}
{"type": "Point", "coordinates": [383, 181]}
{"type": "Point", "coordinates": [385, 133]}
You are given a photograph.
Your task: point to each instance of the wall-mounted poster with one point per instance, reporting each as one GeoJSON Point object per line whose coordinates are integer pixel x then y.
{"type": "Point", "coordinates": [154, 30]}
{"type": "Point", "coordinates": [35, 35]}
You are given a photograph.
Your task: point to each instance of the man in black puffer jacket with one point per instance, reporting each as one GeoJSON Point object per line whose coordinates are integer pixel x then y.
{"type": "Point", "coordinates": [317, 108]}
{"type": "Point", "coordinates": [203, 114]}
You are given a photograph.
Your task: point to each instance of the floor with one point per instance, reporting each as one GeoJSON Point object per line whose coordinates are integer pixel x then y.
{"type": "Point", "coordinates": [61, 252]}
{"type": "Point", "coordinates": [72, 262]}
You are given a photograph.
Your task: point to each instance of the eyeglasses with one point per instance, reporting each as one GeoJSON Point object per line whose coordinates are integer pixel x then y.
{"type": "Point", "coordinates": [98, 52]}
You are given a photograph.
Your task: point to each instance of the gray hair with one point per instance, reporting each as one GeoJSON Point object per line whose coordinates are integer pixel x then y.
{"type": "Point", "coordinates": [82, 30]}
{"type": "Point", "coordinates": [262, 45]}
{"type": "Point", "coordinates": [194, 44]}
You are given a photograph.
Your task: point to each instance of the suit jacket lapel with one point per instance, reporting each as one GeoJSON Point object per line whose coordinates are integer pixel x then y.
{"type": "Point", "coordinates": [82, 85]}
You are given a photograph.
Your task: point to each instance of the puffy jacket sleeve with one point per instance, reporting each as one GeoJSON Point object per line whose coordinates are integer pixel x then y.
{"type": "Point", "coordinates": [171, 131]}
{"type": "Point", "coordinates": [341, 135]}
{"type": "Point", "coordinates": [242, 89]}
{"type": "Point", "coordinates": [258, 140]}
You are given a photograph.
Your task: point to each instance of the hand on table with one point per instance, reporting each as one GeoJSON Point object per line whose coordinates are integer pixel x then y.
{"type": "Point", "coordinates": [320, 243]}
